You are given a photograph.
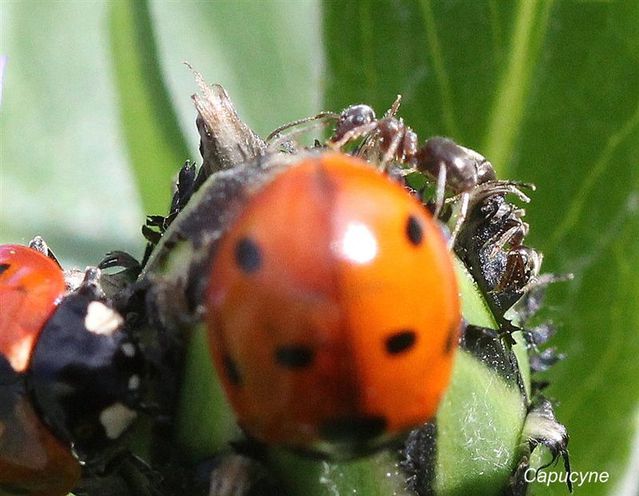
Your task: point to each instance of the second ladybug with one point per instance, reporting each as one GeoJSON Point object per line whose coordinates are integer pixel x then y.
{"type": "Point", "coordinates": [69, 375]}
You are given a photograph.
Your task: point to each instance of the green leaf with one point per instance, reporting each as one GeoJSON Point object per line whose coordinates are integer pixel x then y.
{"type": "Point", "coordinates": [474, 307]}
{"type": "Point", "coordinates": [587, 223]}
{"type": "Point", "coordinates": [154, 141]}
{"type": "Point", "coordinates": [64, 170]}
{"type": "Point", "coordinates": [86, 91]}
{"type": "Point", "coordinates": [478, 429]}
{"type": "Point", "coordinates": [375, 475]}
{"type": "Point", "coordinates": [205, 420]}
{"type": "Point", "coordinates": [548, 92]}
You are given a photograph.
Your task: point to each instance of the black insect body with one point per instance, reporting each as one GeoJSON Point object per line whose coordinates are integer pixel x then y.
{"type": "Point", "coordinates": [490, 244]}
{"type": "Point", "coordinates": [386, 139]}
{"type": "Point", "coordinates": [457, 169]}
{"type": "Point", "coordinates": [86, 371]}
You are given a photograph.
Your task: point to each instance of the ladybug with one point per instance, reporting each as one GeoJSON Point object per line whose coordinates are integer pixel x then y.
{"type": "Point", "coordinates": [333, 310]}
{"type": "Point", "coordinates": [69, 375]}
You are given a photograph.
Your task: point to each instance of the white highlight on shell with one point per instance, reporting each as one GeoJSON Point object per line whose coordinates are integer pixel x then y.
{"type": "Point", "coordinates": [128, 349]}
{"type": "Point", "coordinates": [116, 419]}
{"type": "Point", "coordinates": [101, 319]}
{"type": "Point", "coordinates": [358, 243]}
{"type": "Point", "coordinates": [20, 353]}
{"type": "Point", "coordinates": [134, 382]}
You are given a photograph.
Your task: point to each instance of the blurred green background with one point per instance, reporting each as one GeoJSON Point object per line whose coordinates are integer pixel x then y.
{"type": "Point", "coordinates": [96, 117]}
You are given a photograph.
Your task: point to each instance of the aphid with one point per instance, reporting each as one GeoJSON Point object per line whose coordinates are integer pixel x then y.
{"type": "Point", "coordinates": [388, 137]}
{"type": "Point", "coordinates": [455, 168]}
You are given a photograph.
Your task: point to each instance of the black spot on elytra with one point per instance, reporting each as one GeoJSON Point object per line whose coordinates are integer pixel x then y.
{"type": "Point", "coordinates": [453, 337]}
{"type": "Point", "coordinates": [294, 356]}
{"type": "Point", "coordinates": [401, 341]}
{"type": "Point", "coordinates": [231, 370]}
{"type": "Point", "coordinates": [4, 267]}
{"type": "Point", "coordinates": [248, 255]}
{"type": "Point", "coordinates": [353, 429]}
{"type": "Point", "coordinates": [414, 231]}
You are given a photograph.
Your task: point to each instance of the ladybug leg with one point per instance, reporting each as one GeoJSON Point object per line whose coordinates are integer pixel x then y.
{"type": "Point", "coordinates": [126, 474]}
{"type": "Point", "coordinates": [115, 282]}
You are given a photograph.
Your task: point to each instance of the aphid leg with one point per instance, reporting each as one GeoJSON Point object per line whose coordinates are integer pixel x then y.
{"type": "Point", "coordinates": [440, 192]}
{"type": "Point", "coordinates": [505, 238]}
{"type": "Point", "coordinates": [391, 150]}
{"type": "Point", "coordinates": [543, 280]}
{"type": "Point", "coordinates": [278, 137]}
{"type": "Point", "coordinates": [494, 187]}
{"type": "Point", "coordinates": [365, 150]}
{"type": "Point", "coordinates": [461, 217]}
{"type": "Point", "coordinates": [392, 111]}
{"type": "Point", "coordinates": [354, 133]}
